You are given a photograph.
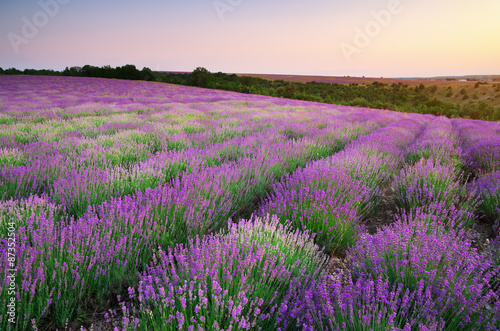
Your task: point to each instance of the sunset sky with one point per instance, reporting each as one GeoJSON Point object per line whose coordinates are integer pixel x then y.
{"type": "Point", "coordinates": [316, 37]}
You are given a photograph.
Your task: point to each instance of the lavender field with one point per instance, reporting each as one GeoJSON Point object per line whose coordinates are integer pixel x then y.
{"type": "Point", "coordinates": [134, 205]}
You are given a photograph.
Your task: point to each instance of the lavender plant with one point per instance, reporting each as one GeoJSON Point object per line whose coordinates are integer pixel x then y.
{"type": "Point", "coordinates": [431, 188]}
{"type": "Point", "coordinates": [423, 257]}
{"type": "Point", "coordinates": [484, 155]}
{"type": "Point", "coordinates": [323, 200]}
{"type": "Point", "coordinates": [480, 146]}
{"type": "Point", "coordinates": [237, 280]}
{"type": "Point", "coordinates": [493, 252]}
{"type": "Point", "coordinates": [368, 304]}
{"type": "Point", "coordinates": [487, 187]}
{"type": "Point", "coordinates": [438, 142]}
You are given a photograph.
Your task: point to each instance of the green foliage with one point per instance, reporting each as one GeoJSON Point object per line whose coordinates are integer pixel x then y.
{"type": "Point", "coordinates": [201, 77]}
{"type": "Point", "coordinates": [496, 115]}
{"type": "Point", "coordinates": [360, 102]}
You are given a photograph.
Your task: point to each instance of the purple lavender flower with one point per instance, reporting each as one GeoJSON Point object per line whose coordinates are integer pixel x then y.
{"type": "Point", "coordinates": [419, 254]}
{"type": "Point", "coordinates": [487, 187]}
{"type": "Point", "coordinates": [238, 278]}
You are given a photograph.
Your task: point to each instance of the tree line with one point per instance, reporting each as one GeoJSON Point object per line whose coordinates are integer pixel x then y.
{"type": "Point", "coordinates": [398, 97]}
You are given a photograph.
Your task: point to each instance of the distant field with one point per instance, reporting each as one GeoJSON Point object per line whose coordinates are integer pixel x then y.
{"type": "Point", "coordinates": [131, 205]}
{"type": "Point", "coordinates": [489, 93]}
{"type": "Point", "coordinates": [344, 79]}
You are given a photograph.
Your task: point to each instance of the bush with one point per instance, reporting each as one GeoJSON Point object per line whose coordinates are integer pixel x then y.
{"type": "Point", "coordinates": [482, 155]}
{"type": "Point", "coordinates": [408, 276]}
{"type": "Point", "coordinates": [201, 77]}
{"type": "Point", "coordinates": [242, 278]}
{"type": "Point", "coordinates": [488, 189]}
{"type": "Point", "coordinates": [442, 264]}
{"type": "Point", "coordinates": [360, 102]}
{"type": "Point", "coordinates": [367, 304]}
{"type": "Point", "coordinates": [425, 184]}
{"type": "Point", "coordinates": [496, 115]}
{"type": "Point", "coordinates": [324, 200]}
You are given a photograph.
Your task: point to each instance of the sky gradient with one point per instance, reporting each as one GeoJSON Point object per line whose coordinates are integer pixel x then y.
{"type": "Point", "coordinates": [316, 37]}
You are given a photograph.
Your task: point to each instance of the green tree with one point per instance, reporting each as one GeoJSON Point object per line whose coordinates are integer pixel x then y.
{"type": "Point", "coordinates": [147, 75]}
{"type": "Point", "coordinates": [12, 71]}
{"type": "Point", "coordinates": [360, 102]}
{"type": "Point", "coordinates": [128, 71]}
{"type": "Point", "coordinates": [290, 90]}
{"type": "Point", "coordinates": [496, 115]}
{"type": "Point", "coordinates": [201, 77]}
{"type": "Point", "coordinates": [72, 71]}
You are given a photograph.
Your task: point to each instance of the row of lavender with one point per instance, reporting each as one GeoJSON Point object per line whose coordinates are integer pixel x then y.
{"type": "Point", "coordinates": [102, 197]}
{"type": "Point", "coordinates": [418, 273]}
{"type": "Point", "coordinates": [482, 156]}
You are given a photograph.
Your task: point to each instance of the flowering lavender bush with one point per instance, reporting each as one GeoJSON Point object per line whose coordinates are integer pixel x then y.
{"type": "Point", "coordinates": [438, 213]}
{"type": "Point", "coordinates": [494, 254]}
{"type": "Point", "coordinates": [438, 142]}
{"type": "Point", "coordinates": [12, 157]}
{"type": "Point", "coordinates": [432, 188]}
{"type": "Point", "coordinates": [423, 257]}
{"type": "Point", "coordinates": [242, 279]}
{"type": "Point", "coordinates": [368, 304]}
{"type": "Point", "coordinates": [480, 146]}
{"type": "Point", "coordinates": [488, 189]}
{"type": "Point", "coordinates": [323, 200]}
{"type": "Point", "coordinates": [484, 155]}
